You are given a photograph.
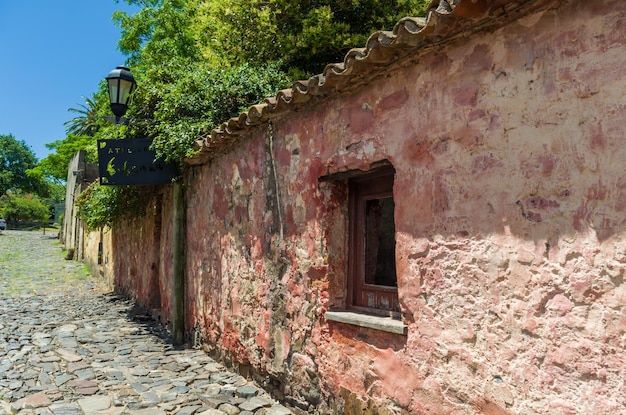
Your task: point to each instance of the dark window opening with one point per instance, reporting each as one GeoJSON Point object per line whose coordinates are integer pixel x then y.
{"type": "Point", "coordinates": [380, 242]}
{"type": "Point", "coordinates": [372, 250]}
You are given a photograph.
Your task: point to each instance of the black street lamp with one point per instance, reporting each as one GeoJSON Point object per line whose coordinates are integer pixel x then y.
{"type": "Point", "coordinates": [126, 162]}
{"type": "Point", "coordinates": [121, 86]}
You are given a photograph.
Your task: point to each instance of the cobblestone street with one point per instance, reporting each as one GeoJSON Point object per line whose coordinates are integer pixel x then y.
{"type": "Point", "coordinates": [69, 347]}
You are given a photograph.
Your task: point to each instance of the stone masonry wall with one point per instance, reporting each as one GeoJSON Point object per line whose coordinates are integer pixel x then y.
{"type": "Point", "coordinates": [509, 194]}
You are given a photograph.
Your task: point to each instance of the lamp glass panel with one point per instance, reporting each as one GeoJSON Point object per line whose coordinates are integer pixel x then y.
{"type": "Point", "coordinates": [125, 90]}
{"type": "Point", "coordinates": [113, 90]}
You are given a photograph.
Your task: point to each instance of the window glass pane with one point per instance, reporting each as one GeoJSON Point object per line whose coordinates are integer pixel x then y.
{"type": "Point", "coordinates": [380, 242]}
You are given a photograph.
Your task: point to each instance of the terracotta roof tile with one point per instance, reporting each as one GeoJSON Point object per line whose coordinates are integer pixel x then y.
{"type": "Point", "coordinates": [447, 19]}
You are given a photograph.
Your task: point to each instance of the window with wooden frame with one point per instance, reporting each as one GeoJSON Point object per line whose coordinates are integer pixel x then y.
{"type": "Point", "coordinates": [372, 282]}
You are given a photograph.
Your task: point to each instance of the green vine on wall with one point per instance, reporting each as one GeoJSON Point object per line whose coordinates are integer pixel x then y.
{"type": "Point", "coordinates": [101, 206]}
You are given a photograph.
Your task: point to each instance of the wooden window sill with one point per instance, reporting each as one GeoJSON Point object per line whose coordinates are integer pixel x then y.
{"type": "Point", "coordinates": [387, 324]}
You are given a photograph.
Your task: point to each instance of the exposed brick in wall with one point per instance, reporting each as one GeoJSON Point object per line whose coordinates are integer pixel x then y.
{"type": "Point", "coordinates": [509, 209]}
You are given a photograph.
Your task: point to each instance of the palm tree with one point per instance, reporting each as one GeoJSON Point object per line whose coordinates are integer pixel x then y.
{"type": "Point", "coordinates": [85, 123]}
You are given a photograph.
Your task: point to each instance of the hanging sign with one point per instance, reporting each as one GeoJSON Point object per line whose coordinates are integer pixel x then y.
{"type": "Point", "coordinates": [132, 162]}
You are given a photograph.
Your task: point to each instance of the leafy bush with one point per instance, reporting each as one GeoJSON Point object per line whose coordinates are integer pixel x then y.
{"type": "Point", "coordinates": [193, 99]}
{"type": "Point", "coordinates": [27, 208]}
{"type": "Point", "coordinates": [101, 206]}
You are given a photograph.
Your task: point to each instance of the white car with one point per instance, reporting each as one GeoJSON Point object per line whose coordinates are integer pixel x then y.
{"type": "Point", "coordinates": [3, 224]}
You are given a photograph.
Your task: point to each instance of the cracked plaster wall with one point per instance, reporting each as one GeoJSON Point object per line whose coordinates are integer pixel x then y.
{"type": "Point", "coordinates": [510, 195]}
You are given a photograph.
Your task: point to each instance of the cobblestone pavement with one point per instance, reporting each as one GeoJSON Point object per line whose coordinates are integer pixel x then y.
{"type": "Point", "coordinates": [68, 348]}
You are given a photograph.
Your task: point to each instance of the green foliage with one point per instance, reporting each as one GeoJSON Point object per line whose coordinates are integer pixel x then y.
{"type": "Point", "coordinates": [82, 133]}
{"type": "Point", "coordinates": [304, 34]}
{"type": "Point", "coordinates": [198, 99]}
{"type": "Point", "coordinates": [161, 29]}
{"type": "Point", "coordinates": [16, 158]}
{"type": "Point", "coordinates": [86, 122]}
{"type": "Point", "coordinates": [55, 164]}
{"type": "Point", "coordinates": [26, 208]}
{"type": "Point", "coordinates": [101, 206]}
{"type": "Point", "coordinates": [56, 195]}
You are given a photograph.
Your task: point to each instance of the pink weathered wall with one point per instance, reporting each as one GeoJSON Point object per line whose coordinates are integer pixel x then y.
{"type": "Point", "coordinates": [142, 255]}
{"type": "Point", "coordinates": [510, 198]}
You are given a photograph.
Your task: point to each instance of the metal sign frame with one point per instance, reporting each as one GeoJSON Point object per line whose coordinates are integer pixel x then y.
{"type": "Point", "coordinates": [132, 162]}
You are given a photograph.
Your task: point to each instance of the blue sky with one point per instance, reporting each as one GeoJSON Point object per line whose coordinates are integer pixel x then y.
{"type": "Point", "coordinates": [52, 54]}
